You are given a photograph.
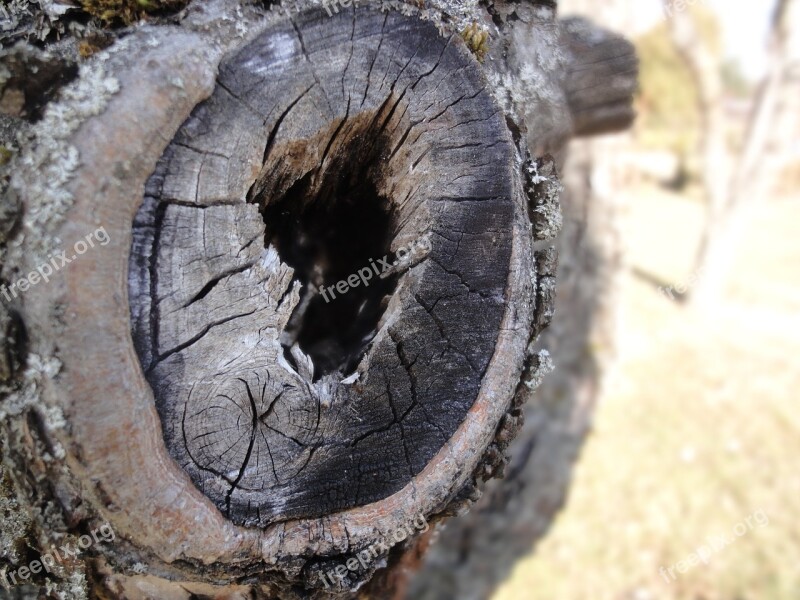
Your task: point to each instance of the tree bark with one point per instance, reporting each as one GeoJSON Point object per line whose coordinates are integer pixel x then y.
{"type": "Point", "coordinates": [199, 382]}
{"type": "Point", "coordinates": [476, 553]}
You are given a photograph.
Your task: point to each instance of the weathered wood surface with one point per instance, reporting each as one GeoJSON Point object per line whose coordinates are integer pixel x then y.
{"type": "Point", "coordinates": [188, 384]}
{"type": "Point", "coordinates": [601, 79]}
{"type": "Point", "coordinates": [468, 199]}
{"type": "Point", "coordinates": [475, 554]}
{"type": "Point", "coordinates": [353, 137]}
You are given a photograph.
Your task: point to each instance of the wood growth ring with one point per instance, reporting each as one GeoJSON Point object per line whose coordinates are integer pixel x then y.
{"type": "Point", "coordinates": [329, 256]}
{"type": "Point", "coordinates": [315, 157]}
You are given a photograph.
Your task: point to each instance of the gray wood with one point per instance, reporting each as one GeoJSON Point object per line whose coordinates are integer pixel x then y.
{"type": "Point", "coordinates": [341, 107]}
{"type": "Point", "coordinates": [476, 553]}
{"type": "Point", "coordinates": [223, 259]}
{"type": "Point", "coordinates": [186, 384]}
{"type": "Point", "coordinates": [602, 78]}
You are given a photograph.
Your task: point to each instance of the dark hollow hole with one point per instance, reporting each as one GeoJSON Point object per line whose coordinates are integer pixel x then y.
{"type": "Point", "coordinates": [327, 236]}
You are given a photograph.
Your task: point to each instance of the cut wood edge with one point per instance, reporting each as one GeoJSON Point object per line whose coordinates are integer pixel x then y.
{"type": "Point", "coordinates": [115, 453]}
{"type": "Point", "coordinates": [602, 77]}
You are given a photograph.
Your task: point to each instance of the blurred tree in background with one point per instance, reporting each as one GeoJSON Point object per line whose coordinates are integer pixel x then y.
{"type": "Point", "coordinates": [734, 80]}
{"type": "Point", "coordinates": [669, 114]}
{"type": "Point", "coordinates": [734, 182]}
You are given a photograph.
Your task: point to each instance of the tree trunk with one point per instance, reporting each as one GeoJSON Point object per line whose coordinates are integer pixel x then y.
{"type": "Point", "coordinates": [273, 287]}
{"type": "Point", "coordinates": [730, 193]}
{"type": "Point", "coordinates": [473, 555]}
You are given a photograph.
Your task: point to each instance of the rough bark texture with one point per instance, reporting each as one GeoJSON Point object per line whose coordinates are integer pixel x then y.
{"type": "Point", "coordinates": [473, 555]}
{"type": "Point", "coordinates": [251, 437]}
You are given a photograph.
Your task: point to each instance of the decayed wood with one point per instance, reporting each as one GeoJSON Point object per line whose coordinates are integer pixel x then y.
{"type": "Point", "coordinates": [449, 341]}
{"type": "Point", "coordinates": [188, 384]}
{"type": "Point", "coordinates": [350, 154]}
{"type": "Point", "coordinates": [476, 553]}
{"type": "Point", "coordinates": [30, 79]}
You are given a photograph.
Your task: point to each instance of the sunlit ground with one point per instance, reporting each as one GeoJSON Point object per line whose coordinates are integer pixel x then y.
{"type": "Point", "coordinates": [698, 429]}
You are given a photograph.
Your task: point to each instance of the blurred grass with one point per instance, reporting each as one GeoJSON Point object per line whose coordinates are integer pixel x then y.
{"type": "Point", "coordinates": [697, 429]}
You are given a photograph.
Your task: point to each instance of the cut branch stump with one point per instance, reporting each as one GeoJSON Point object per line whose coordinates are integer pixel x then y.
{"type": "Point", "coordinates": [305, 334]}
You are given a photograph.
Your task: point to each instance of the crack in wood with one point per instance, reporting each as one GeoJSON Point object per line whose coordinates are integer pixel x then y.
{"type": "Point", "coordinates": [246, 359]}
